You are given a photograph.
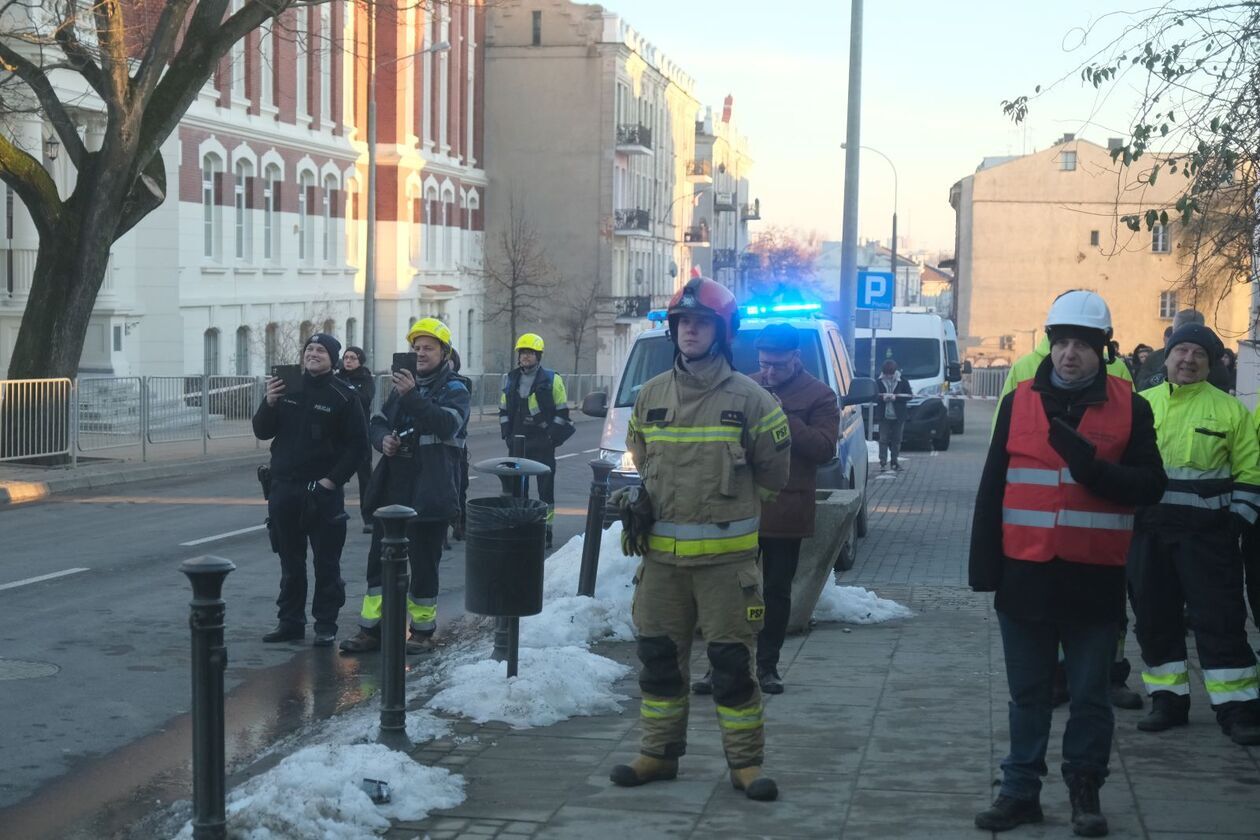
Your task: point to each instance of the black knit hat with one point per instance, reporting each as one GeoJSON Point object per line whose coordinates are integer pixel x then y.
{"type": "Point", "coordinates": [332, 345]}
{"type": "Point", "coordinates": [1097, 339]}
{"type": "Point", "coordinates": [1196, 334]}
{"type": "Point", "coordinates": [358, 353]}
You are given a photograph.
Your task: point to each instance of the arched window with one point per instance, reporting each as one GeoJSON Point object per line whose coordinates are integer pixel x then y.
{"type": "Point", "coordinates": [448, 229]}
{"type": "Point", "coordinates": [430, 228]}
{"type": "Point", "coordinates": [349, 226]}
{"type": "Point", "coordinates": [210, 345]}
{"type": "Point", "coordinates": [271, 213]}
{"type": "Point", "coordinates": [330, 327]}
{"type": "Point", "coordinates": [271, 349]}
{"type": "Point", "coordinates": [243, 203]}
{"type": "Point", "coordinates": [306, 231]}
{"type": "Point", "coordinates": [352, 329]}
{"type": "Point", "coordinates": [211, 196]}
{"type": "Point", "coordinates": [330, 221]}
{"type": "Point", "coordinates": [242, 351]}
{"type": "Point", "coordinates": [305, 331]}
{"type": "Point", "coordinates": [416, 227]}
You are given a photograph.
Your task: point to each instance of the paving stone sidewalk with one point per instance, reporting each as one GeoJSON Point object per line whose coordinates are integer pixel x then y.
{"type": "Point", "coordinates": [893, 730]}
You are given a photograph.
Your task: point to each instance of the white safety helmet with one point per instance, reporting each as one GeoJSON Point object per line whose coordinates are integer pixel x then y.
{"type": "Point", "coordinates": [1082, 309]}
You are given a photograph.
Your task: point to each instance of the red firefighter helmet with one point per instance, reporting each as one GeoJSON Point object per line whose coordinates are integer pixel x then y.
{"type": "Point", "coordinates": [703, 296]}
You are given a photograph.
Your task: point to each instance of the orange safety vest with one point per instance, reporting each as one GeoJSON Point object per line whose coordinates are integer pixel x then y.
{"type": "Point", "coordinates": [1045, 514]}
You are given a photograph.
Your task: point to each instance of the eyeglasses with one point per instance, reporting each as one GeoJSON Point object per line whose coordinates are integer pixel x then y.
{"type": "Point", "coordinates": [778, 367]}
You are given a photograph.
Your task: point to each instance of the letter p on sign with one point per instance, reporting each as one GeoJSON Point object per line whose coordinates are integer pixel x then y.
{"type": "Point", "coordinates": [875, 290]}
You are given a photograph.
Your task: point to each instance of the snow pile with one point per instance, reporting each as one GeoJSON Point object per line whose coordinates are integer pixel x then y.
{"type": "Point", "coordinates": [567, 619]}
{"type": "Point", "coordinates": [855, 605]}
{"type": "Point", "coordinates": [551, 685]}
{"type": "Point", "coordinates": [316, 793]}
{"type": "Point", "coordinates": [364, 727]}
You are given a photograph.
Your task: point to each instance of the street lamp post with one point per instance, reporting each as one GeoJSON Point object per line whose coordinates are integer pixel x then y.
{"type": "Point", "coordinates": [369, 267]}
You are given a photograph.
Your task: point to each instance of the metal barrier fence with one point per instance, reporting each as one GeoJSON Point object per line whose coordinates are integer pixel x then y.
{"type": "Point", "coordinates": [985, 382]}
{"type": "Point", "coordinates": [52, 417]}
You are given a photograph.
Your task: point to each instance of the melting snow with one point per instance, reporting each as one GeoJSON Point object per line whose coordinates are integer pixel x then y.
{"type": "Point", "coordinates": [855, 605]}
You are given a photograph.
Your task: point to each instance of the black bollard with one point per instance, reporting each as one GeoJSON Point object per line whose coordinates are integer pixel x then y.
{"type": "Point", "coordinates": [518, 451]}
{"type": "Point", "coordinates": [209, 661]}
{"type": "Point", "coordinates": [594, 526]}
{"type": "Point", "coordinates": [395, 578]}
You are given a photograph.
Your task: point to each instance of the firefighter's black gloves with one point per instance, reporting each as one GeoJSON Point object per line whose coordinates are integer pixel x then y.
{"type": "Point", "coordinates": [1076, 450]}
{"type": "Point", "coordinates": [635, 508]}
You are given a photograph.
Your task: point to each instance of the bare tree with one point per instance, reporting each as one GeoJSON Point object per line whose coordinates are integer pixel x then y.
{"type": "Point", "coordinates": [517, 278]}
{"type": "Point", "coordinates": [783, 262]}
{"type": "Point", "coordinates": [576, 317]}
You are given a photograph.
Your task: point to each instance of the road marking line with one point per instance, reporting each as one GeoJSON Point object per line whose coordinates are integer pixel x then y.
{"type": "Point", "coordinates": [570, 455]}
{"type": "Point", "coordinates": [18, 583]}
{"type": "Point", "coordinates": [165, 500]}
{"type": "Point", "coordinates": [238, 532]}
{"type": "Point", "coordinates": [588, 451]}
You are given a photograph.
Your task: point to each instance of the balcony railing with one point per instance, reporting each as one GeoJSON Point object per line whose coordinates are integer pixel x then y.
{"type": "Point", "coordinates": [751, 212]}
{"type": "Point", "coordinates": [634, 138]}
{"type": "Point", "coordinates": [696, 236]}
{"type": "Point", "coordinates": [724, 202]}
{"type": "Point", "coordinates": [632, 307]}
{"type": "Point", "coordinates": [700, 171]}
{"type": "Point", "coordinates": [631, 221]}
{"type": "Point", "coordinates": [723, 258]}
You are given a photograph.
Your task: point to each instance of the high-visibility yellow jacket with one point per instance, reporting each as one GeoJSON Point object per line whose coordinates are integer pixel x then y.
{"type": "Point", "coordinates": [1211, 455]}
{"type": "Point", "coordinates": [710, 444]}
{"type": "Point", "coordinates": [1025, 368]}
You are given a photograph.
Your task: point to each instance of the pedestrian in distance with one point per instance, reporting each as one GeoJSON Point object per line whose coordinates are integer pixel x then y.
{"type": "Point", "coordinates": [1138, 357]}
{"type": "Point", "coordinates": [1072, 456]}
{"type": "Point", "coordinates": [533, 403]}
{"type": "Point", "coordinates": [893, 407]}
{"type": "Point", "coordinates": [355, 373]}
{"type": "Point", "coordinates": [318, 440]}
{"type": "Point", "coordinates": [1185, 559]}
{"type": "Point", "coordinates": [421, 430]}
{"type": "Point", "coordinates": [711, 445]}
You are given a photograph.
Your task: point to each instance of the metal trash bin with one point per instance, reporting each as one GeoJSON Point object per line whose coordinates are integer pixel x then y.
{"type": "Point", "coordinates": [505, 540]}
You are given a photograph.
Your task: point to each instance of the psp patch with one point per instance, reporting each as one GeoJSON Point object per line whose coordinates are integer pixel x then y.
{"type": "Point", "coordinates": [782, 437]}
{"type": "Point", "coordinates": [656, 415]}
{"type": "Point", "coordinates": [756, 613]}
{"type": "Point", "coordinates": [732, 418]}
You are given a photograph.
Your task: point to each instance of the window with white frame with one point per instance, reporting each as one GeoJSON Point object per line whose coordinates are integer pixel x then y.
{"type": "Point", "coordinates": [1159, 239]}
{"type": "Point", "coordinates": [271, 346]}
{"type": "Point", "coordinates": [416, 229]}
{"type": "Point", "coordinates": [239, 94]}
{"type": "Point", "coordinates": [430, 227]}
{"type": "Point", "coordinates": [1067, 161]}
{"type": "Point", "coordinates": [302, 47]}
{"type": "Point", "coordinates": [266, 67]}
{"type": "Point", "coordinates": [243, 205]}
{"type": "Point", "coordinates": [242, 351]}
{"type": "Point", "coordinates": [305, 330]}
{"type": "Point", "coordinates": [330, 327]}
{"type": "Point", "coordinates": [463, 219]}
{"type": "Point", "coordinates": [212, 215]}
{"type": "Point", "coordinates": [306, 231]}
{"type": "Point", "coordinates": [271, 213]}
{"type": "Point", "coordinates": [325, 65]}
{"type": "Point", "coordinates": [330, 220]}
{"type": "Point", "coordinates": [448, 229]}
{"type": "Point", "coordinates": [469, 340]}
{"type": "Point", "coordinates": [352, 331]}
{"type": "Point", "coordinates": [210, 346]}
{"type": "Point", "coordinates": [1167, 305]}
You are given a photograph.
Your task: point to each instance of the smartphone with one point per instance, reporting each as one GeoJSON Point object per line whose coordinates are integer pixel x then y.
{"type": "Point", "coordinates": [291, 375]}
{"type": "Point", "coordinates": [404, 361]}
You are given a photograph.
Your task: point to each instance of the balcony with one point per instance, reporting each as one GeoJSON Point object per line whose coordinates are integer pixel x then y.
{"type": "Point", "coordinates": [631, 222]}
{"type": "Point", "coordinates": [634, 139]}
{"type": "Point", "coordinates": [724, 202]}
{"type": "Point", "coordinates": [632, 307]}
{"type": "Point", "coordinates": [751, 212]}
{"type": "Point", "coordinates": [697, 237]}
{"type": "Point", "coordinates": [700, 171]}
{"type": "Point", "coordinates": [723, 258]}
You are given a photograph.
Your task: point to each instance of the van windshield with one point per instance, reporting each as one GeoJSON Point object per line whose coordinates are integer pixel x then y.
{"type": "Point", "coordinates": [654, 355]}
{"type": "Point", "coordinates": [917, 358]}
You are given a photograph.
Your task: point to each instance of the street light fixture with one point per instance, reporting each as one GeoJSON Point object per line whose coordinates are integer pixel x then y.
{"type": "Point", "coordinates": [51, 147]}
{"type": "Point", "coordinates": [369, 273]}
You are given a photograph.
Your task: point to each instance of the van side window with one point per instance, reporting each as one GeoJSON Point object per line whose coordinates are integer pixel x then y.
{"type": "Point", "coordinates": [844, 376]}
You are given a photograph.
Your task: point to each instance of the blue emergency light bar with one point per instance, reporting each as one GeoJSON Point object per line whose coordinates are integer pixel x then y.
{"type": "Point", "coordinates": [782, 307]}
{"type": "Point", "coordinates": [658, 315]}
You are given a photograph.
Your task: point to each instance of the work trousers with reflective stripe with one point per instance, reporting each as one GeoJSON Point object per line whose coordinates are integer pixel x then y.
{"type": "Point", "coordinates": [725, 602]}
{"type": "Point", "coordinates": [538, 448]}
{"type": "Point", "coordinates": [1203, 572]}
{"type": "Point", "coordinates": [424, 553]}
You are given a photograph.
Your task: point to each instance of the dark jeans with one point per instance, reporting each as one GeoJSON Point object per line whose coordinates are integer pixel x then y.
{"type": "Point", "coordinates": [779, 557]}
{"type": "Point", "coordinates": [1030, 648]}
{"type": "Point", "coordinates": [890, 439]}
{"type": "Point", "coordinates": [424, 553]}
{"type": "Point", "coordinates": [364, 473]}
{"type": "Point", "coordinates": [1251, 570]}
{"type": "Point", "coordinates": [327, 536]}
{"type": "Point", "coordinates": [540, 449]}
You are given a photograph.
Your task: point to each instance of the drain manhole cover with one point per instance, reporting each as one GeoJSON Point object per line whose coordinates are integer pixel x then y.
{"type": "Point", "coordinates": [25, 669]}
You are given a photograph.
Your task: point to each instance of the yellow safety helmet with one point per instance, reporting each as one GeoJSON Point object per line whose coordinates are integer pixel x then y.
{"type": "Point", "coordinates": [430, 327]}
{"type": "Point", "coordinates": [530, 341]}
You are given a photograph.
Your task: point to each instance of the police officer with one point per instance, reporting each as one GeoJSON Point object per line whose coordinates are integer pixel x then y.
{"type": "Point", "coordinates": [1073, 453]}
{"type": "Point", "coordinates": [710, 444]}
{"type": "Point", "coordinates": [534, 403]}
{"type": "Point", "coordinates": [422, 431]}
{"type": "Point", "coordinates": [1185, 557]}
{"type": "Point", "coordinates": [318, 440]}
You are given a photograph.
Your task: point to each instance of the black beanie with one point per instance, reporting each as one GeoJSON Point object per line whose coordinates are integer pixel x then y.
{"type": "Point", "coordinates": [359, 354]}
{"type": "Point", "coordinates": [332, 345]}
{"type": "Point", "coordinates": [1097, 339]}
{"type": "Point", "coordinates": [1197, 334]}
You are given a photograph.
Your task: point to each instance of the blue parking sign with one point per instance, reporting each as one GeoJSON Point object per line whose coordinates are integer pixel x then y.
{"type": "Point", "coordinates": [876, 289]}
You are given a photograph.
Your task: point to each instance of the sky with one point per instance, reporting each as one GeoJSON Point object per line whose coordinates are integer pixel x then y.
{"type": "Point", "coordinates": [934, 75]}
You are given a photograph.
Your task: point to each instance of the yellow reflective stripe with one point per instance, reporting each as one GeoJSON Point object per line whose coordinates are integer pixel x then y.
{"type": "Point", "coordinates": [695, 548]}
{"type": "Point", "coordinates": [533, 404]}
{"type": "Point", "coordinates": [558, 394]}
{"type": "Point", "coordinates": [662, 709]}
{"type": "Point", "coordinates": [1171, 676]}
{"type": "Point", "coordinates": [740, 719]}
{"type": "Point", "coordinates": [371, 609]}
{"type": "Point", "coordinates": [774, 418]}
{"type": "Point", "coordinates": [695, 435]}
{"type": "Point", "coordinates": [421, 613]}
{"type": "Point", "coordinates": [766, 494]}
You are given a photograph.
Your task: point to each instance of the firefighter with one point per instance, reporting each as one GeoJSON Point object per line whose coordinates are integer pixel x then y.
{"type": "Point", "coordinates": [1185, 558]}
{"type": "Point", "coordinates": [1073, 454]}
{"type": "Point", "coordinates": [534, 403]}
{"type": "Point", "coordinates": [422, 431]}
{"type": "Point", "coordinates": [711, 445]}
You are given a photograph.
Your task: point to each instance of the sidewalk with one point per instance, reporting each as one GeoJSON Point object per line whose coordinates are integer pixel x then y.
{"type": "Point", "coordinates": [886, 731]}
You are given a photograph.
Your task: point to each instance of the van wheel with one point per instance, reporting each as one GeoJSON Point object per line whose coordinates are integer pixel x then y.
{"type": "Point", "coordinates": [860, 527]}
{"type": "Point", "coordinates": [847, 556]}
{"type": "Point", "coordinates": [941, 442]}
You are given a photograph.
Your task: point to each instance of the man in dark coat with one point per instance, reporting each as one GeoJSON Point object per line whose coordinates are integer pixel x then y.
{"type": "Point", "coordinates": [891, 410]}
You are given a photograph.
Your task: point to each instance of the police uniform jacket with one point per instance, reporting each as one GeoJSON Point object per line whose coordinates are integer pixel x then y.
{"type": "Point", "coordinates": [317, 433]}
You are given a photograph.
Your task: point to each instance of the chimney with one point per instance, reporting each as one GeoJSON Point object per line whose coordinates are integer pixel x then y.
{"type": "Point", "coordinates": [1068, 138]}
{"type": "Point", "coordinates": [726, 108]}
{"type": "Point", "coordinates": [1114, 143]}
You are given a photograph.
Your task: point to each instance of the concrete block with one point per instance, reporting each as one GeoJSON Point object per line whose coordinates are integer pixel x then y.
{"type": "Point", "coordinates": [835, 517]}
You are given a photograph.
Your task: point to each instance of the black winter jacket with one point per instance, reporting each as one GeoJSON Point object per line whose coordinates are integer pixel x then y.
{"type": "Point", "coordinates": [1059, 590]}
{"type": "Point", "coordinates": [318, 433]}
{"type": "Point", "coordinates": [363, 383]}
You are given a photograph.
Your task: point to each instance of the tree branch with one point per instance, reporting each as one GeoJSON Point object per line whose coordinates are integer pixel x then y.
{"type": "Point", "coordinates": [141, 200]}
{"type": "Point", "coordinates": [112, 38]}
{"type": "Point", "coordinates": [78, 55]}
{"type": "Point", "coordinates": [32, 183]}
{"type": "Point", "coordinates": [37, 80]}
{"type": "Point", "coordinates": [158, 52]}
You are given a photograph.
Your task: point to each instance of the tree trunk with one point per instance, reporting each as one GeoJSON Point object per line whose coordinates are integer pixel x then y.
{"type": "Point", "coordinates": [69, 269]}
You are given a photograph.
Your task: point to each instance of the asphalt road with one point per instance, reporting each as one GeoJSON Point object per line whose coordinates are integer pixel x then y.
{"type": "Point", "coordinates": [94, 640]}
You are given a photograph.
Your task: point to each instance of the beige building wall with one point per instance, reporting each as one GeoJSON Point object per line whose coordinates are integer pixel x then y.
{"type": "Point", "coordinates": [1032, 227]}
